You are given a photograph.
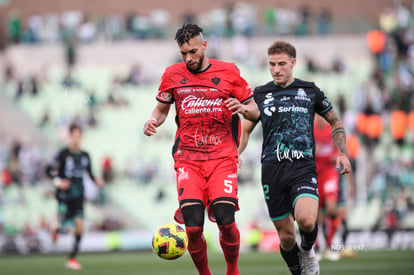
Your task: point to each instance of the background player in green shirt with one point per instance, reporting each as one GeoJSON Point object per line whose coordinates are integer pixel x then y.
{"type": "Point", "coordinates": [67, 170]}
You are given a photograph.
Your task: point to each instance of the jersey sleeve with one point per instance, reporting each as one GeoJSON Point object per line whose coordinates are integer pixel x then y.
{"type": "Point", "coordinates": [165, 93]}
{"type": "Point", "coordinates": [55, 167]}
{"type": "Point", "coordinates": [241, 89]}
{"type": "Point", "coordinates": [89, 167]}
{"type": "Point", "coordinates": [322, 104]}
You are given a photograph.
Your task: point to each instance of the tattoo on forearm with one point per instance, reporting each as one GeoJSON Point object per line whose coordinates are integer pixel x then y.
{"type": "Point", "coordinates": [339, 137]}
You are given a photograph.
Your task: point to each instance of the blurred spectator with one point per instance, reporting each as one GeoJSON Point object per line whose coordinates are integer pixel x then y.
{"type": "Point", "coordinates": [13, 164]}
{"type": "Point", "coordinates": [69, 81]}
{"type": "Point", "coordinates": [8, 72]}
{"type": "Point", "coordinates": [114, 27]}
{"type": "Point", "coordinates": [87, 30]}
{"type": "Point", "coordinates": [107, 170]}
{"type": "Point", "coordinates": [45, 119]}
{"type": "Point", "coordinates": [269, 21]}
{"type": "Point", "coordinates": [376, 42]}
{"type": "Point", "coordinates": [324, 21]}
{"type": "Point", "coordinates": [398, 124]}
{"type": "Point", "coordinates": [388, 19]}
{"type": "Point", "coordinates": [188, 17]}
{"type": "Point", "coordinates": [114, 94]}
{"type": "Point", "coordinates": [135, 76]}
{"type": "Point", "coordinates": [159, 20]}
{"type": "Point", "coordinates": [34, 86]}
{"type": "Point", "coordinates": [91, 119]}
{"type": "Point", "coordinates": [33, 26]}
{"type": "Point", "coordinates": [70, 52]}
{"type": "Point", "coordinates": [304, 21]}
{"type": "Point", "coordinates": [398, 35]}
{"type": "Point", "coordinates": [14, 23]}
{"type": "Point", "coordinates": [19, 90]}
{"type": "Point", "coordinates": [92, 101]}
{"type": "Point", "coordinates": [311, 66]}
{"type": "Point", "coordinates": [338, 66]}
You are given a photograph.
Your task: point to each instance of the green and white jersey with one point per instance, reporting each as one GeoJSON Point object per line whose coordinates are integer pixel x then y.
{"type": "Point", "coordinates": [72, 166]}
{"type": "Point", "coordinates": [287, 115]}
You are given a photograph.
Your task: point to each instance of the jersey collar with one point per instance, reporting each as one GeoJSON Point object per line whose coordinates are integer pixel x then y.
{"type": "Point", "coordinates": [205, 69]}
{"type": "Point", "coordinates": [286, 85]}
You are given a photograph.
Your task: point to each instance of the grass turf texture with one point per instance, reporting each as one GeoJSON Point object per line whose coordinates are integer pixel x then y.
{"type": "Point", "coordinates": [146, 263]}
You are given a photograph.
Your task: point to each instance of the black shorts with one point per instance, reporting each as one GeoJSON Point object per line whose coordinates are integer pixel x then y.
{"type": "Point", "coordinates": [285, 182]}
{"type": "Point", "coordinates": [70, 209]}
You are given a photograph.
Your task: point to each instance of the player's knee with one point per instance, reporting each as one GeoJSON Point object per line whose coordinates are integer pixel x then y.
{"type": "Point", "coordinates": [306, 224]}
{"type": "Point", "coordinates": [224, 213]}
{"type": "Point", "coordinates": [193, 215]}
{"type": "Point", "coordinates": [287, 240]}
{"type": "Point", "coordinates": [194, 233]}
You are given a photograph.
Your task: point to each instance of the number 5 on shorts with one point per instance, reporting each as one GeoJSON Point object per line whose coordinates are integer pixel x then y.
{"type": "Point", "coordinates": [228, 186]}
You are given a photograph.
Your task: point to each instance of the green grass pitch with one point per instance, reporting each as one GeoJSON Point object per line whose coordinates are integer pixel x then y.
{"type": "Point", "coordinates": [146, 263]}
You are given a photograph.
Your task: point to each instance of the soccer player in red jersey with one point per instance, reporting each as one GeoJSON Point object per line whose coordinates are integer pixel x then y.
{"type": "Point", "coordinates": [208, 95]}
{"type": "Point", "coordinates": [328, 182]}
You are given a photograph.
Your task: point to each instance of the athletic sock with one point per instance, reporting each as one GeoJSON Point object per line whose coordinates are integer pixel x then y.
{"type": "Point", "coordinates": [230, 243]}
{"type": "Point", "coordinates": [292, 259]}
{"type": "Point", "coordinates": [197, 247]}
{"type": "Point", "coordinates": [308, 238]}
{"type": "Point", "coordinates": [344, 231]}
{"type": "Point", "coordinates": [75, 248]}
{"type": "Point", "coordinates": [334, 226]}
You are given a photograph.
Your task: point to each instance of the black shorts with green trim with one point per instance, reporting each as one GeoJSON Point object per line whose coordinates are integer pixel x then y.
{"type": "Point", "coordinates": [71, 209]}
{"type": "Point", "coordinates": [283, 183]}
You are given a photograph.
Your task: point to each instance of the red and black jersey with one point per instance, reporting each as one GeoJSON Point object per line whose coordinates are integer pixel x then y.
{"type": "Point", "coordinates": [326, 151]}
{"type": "Point", "coordinates": [206, 129]}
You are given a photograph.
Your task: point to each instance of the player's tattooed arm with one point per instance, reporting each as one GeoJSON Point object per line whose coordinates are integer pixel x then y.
{"type": "Point", "coordinates": [338, 130]}
{"type": "Point", "coordinates": [343, 164]}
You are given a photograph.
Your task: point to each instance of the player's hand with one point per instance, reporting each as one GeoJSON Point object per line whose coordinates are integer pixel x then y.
{"type": "Point", "coordinates": [343, 165]}
{"type": "Point", "coordinates": [239, 162]}
{"type": "Point", "coordinates": [150, 127]}
{"type": "Point", "coordinates": [64, 184]}
{"type": "Point", "coordinates": [99, 182]}
{"type": "Point", "coordinates": [235, 106]}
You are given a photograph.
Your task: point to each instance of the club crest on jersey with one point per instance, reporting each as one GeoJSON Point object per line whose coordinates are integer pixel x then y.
{"type": "Point", "coordinates": [216, 80]}
{"type": "Point", "coordinates": [165, 96]}
{"type": "Point", "coordinates": [302, 95]}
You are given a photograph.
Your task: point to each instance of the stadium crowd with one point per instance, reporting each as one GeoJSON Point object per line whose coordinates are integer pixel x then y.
{"type": "Point", "coordinates": [232, 19]}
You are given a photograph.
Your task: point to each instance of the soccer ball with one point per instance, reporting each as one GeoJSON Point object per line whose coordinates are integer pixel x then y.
{"type": "Point", "coordinates": [169, 241]}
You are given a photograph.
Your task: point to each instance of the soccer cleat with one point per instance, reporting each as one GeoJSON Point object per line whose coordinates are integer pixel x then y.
{"type": "Point", "coordinates": [332, 255]}
{"type": "Point", "coordinates": [73, 264]}
{"type": "Point", "coordinates": [309, 262]}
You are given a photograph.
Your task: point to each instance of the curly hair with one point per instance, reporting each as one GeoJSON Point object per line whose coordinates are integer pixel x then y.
{"type": "Point", "coordinates": [282, 47]}
{"type": "Point", "coordinates": [186, 32]}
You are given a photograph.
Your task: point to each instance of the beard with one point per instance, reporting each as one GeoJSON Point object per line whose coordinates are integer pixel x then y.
{"type": "Point", "coordinates": [198, 68]}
